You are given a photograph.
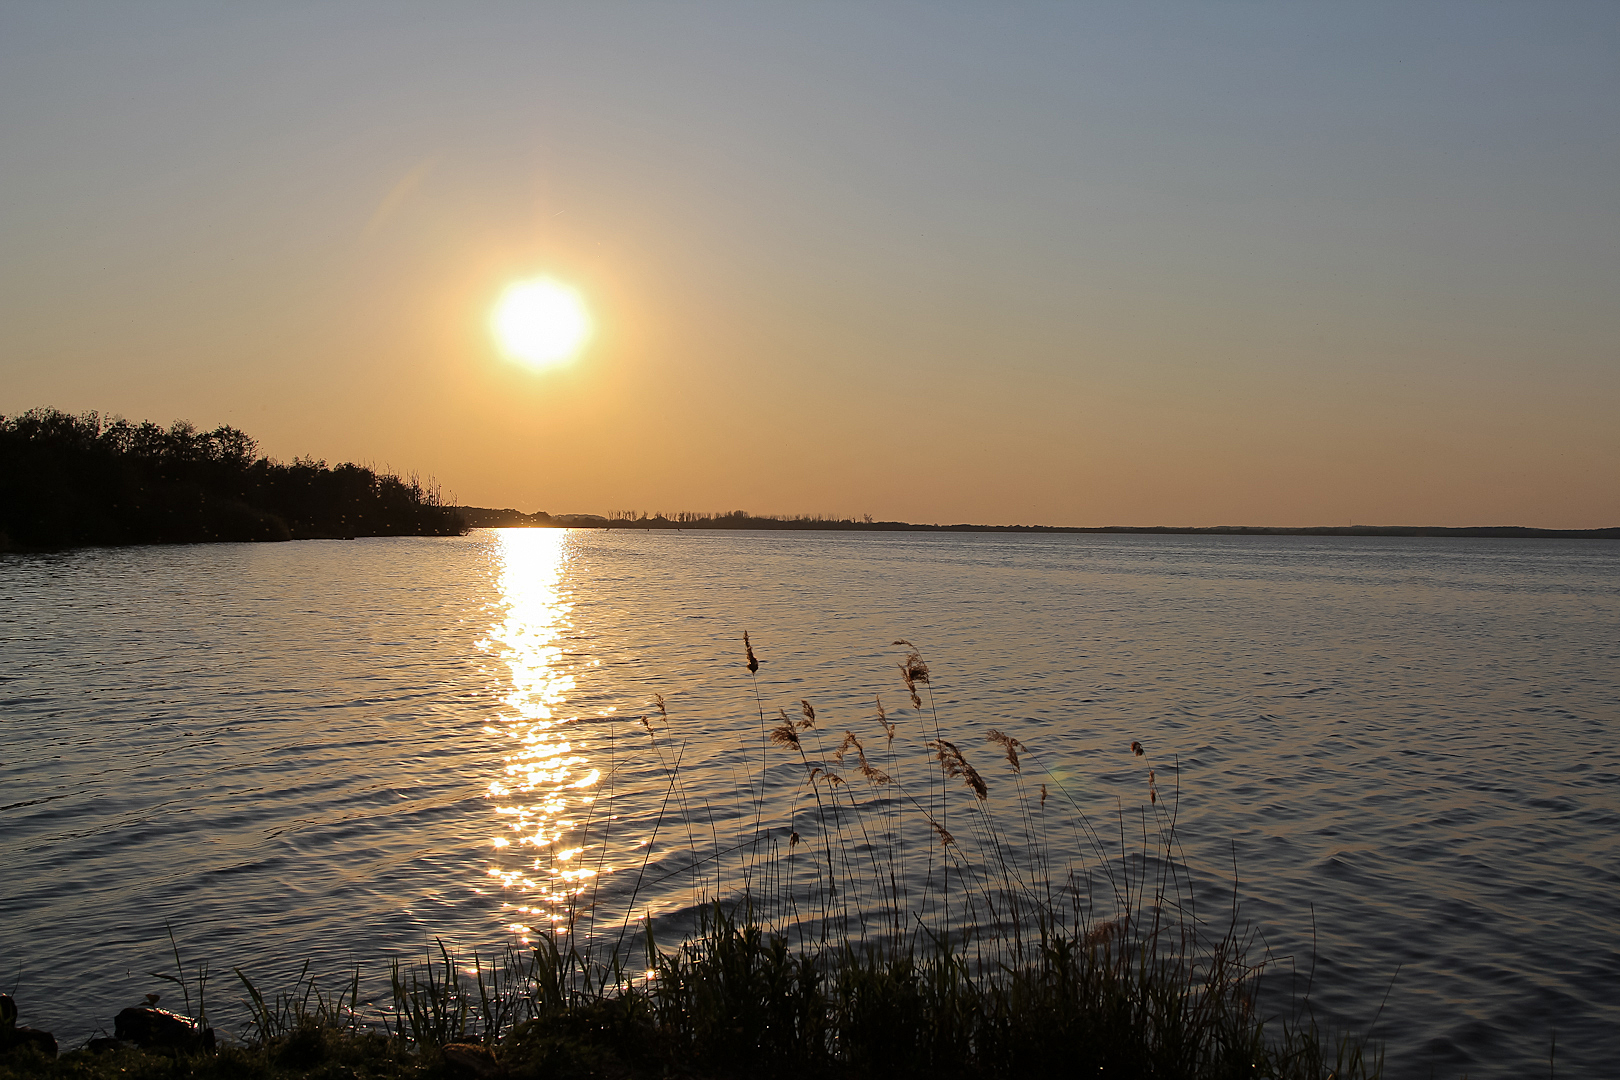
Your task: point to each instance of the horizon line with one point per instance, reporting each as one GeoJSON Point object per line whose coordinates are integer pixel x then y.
{"type": "Point", "coordinates": [487, 517]}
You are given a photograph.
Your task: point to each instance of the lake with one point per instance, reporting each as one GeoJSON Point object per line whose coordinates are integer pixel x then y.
{"type": "Point", "coordinates": [1401, 754]}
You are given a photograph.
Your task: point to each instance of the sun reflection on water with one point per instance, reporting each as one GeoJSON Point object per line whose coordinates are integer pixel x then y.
{"type": "Point", "coordinates": [544, 781]}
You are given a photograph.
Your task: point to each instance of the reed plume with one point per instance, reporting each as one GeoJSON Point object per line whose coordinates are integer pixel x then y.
{"type": "Point", "coordinates": [883, 718]}
{"type": "Point", "coordinates": [913, 670]}
{"type": "Point", "coordinates": [872, 773]}
{"type": "Point", "coordinates": [1011, 745]}
{"type": "Point", "coordinates": [955, 766]}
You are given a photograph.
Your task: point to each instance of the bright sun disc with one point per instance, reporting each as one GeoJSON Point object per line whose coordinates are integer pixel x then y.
{"type": "Point", "coordinates": [540, 321]}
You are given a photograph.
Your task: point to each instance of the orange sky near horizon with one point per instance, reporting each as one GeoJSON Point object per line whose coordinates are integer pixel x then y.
{"type": "Point", "coordinates": [1093, 265]}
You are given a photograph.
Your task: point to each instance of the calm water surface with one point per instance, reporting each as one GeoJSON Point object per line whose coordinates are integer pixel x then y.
{"type": "Point", "coordinates": [337, 751]}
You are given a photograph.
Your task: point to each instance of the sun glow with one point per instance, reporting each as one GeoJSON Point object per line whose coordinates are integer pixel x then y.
{"type": "Point", "coordinates": [540, 322]}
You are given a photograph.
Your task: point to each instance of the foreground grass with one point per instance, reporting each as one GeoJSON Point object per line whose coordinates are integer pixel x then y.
{"type": "Point", "coordinates": [315, 1054]}
{"type": "Point", "coordinates": [1006, 964]}
{"type": "Point", "coordinates": [738, 1002]}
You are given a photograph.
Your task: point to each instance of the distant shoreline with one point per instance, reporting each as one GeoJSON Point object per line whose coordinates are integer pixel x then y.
{"type": "Point", "coordinates": [486, 518]}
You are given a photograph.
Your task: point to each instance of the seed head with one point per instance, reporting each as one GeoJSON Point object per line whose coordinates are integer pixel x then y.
{"type": "Point", "coordinates": [913, 671]}
{"type": "Point", "coordinates": [1011, 745]}
{"type": "Point", "coordinates": [883, 718]}
{"type": "Point", "coordinates": [954, 765]}
{"type": "Point", "coordinates": [875, 775]}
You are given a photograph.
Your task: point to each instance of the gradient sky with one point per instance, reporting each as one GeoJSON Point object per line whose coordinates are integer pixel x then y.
{"type": "Point", "coordinates": [1082, 264]}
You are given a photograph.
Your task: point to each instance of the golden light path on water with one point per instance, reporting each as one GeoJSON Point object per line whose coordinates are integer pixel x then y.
{"type": "Point", "coordinates": [544, 781]}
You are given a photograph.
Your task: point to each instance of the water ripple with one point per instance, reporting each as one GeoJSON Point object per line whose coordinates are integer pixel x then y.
{"type": "Point", "coordinates": [1406, 748]}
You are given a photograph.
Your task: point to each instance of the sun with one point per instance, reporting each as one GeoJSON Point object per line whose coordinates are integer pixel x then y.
{"type": "Point", "coordinates": [540, 322]}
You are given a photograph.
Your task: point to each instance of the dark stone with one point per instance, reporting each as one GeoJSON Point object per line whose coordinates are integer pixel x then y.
{"type": "Point", "coordinates": [470, 1059]}
{"type": "Point", "coordinates": [159, 1029]}
{"type": "Point", "coordinates": [13, 1037]}
{"type": "Point", "coordinates": [43, 1041]}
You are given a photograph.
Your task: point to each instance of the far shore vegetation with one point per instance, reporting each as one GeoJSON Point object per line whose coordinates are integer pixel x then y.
{"type": "Point", "coordinates": [919, 908]}
{"type": "Point", "coordinates": [75, 481]}
{"type": "Point", "coordinates": [478, 517]}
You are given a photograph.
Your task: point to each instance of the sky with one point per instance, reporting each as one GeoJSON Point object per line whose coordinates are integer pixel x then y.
{"type": "Point", "coordinates": [1072, 264]}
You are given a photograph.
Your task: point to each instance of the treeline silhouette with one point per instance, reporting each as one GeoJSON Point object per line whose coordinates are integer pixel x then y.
{"type": "Point", "coordinates": [479, 517]}
{"type": "Point", "coordinates": [69, 481]}
{"type": "Point", "coordinates": [737, 519]}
